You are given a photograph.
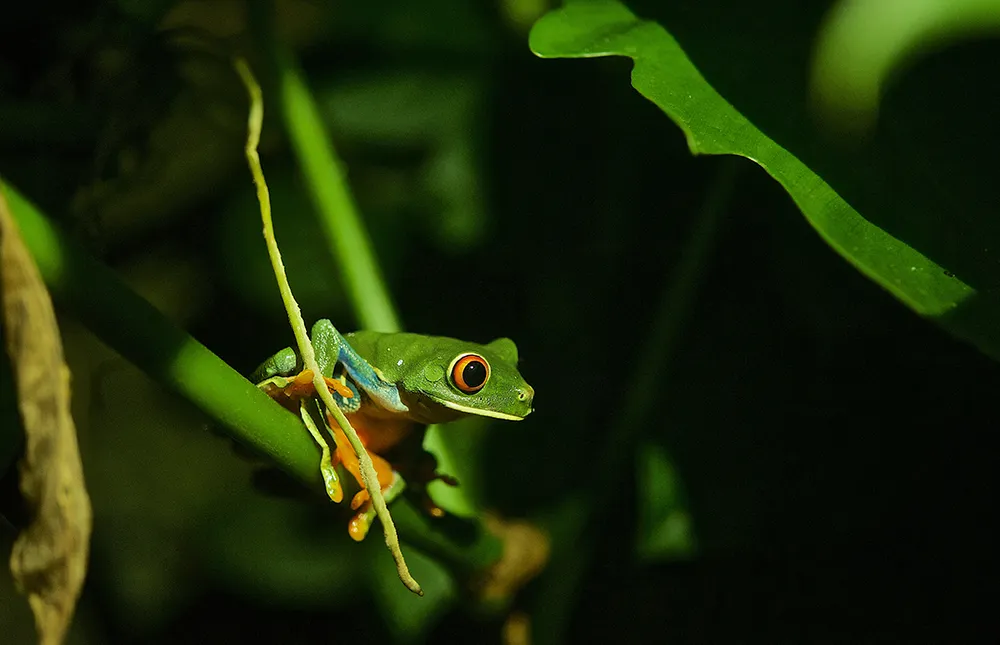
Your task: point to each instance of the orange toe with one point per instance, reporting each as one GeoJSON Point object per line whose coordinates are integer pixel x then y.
{"type": "Point", "coordinates": [339, 387]}
{"type": "Point", "coordinates": [358, 527]}
{"type": "Point", "coordinates": [360, 498]}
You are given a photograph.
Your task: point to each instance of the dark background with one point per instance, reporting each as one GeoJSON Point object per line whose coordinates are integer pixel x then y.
{"type": "Point", "coordinates": [832, 446]}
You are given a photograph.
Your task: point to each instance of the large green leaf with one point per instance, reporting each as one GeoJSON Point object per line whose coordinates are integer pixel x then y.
{"type": "Point", "coordinates": [902, 229]}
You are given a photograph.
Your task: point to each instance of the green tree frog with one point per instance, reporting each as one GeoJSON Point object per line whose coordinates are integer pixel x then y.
{"type": "Point", "coordinates": [390, 386]}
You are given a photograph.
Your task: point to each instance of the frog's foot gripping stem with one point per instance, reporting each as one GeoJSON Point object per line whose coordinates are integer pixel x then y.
{"type": "Point", "coordinates": [301, 386]}
{"type": "Point", "coordinates": [299, 391]}
{"type": "Point", "coordinates": [362, 520]}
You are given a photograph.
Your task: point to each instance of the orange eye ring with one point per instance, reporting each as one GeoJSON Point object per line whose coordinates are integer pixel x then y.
{"type": "Point", "coordinates": [470, 372]}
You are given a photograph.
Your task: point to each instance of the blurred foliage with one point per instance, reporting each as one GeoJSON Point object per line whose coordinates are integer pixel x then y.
{"type": "Point", "coordinates": [865, 43]}
{"type": "Point", "coordinates": [665, 75]}
{"type": "Point", "coordinates": [826, 446]}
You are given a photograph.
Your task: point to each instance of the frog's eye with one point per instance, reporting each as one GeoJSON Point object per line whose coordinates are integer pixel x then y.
{"type": "Point", "coordinates": [470, 372]}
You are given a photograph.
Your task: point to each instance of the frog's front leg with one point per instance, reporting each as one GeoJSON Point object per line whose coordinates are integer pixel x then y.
{"type": "Point", "coordinates": [281, 364]}
{"type": "Point", "coordinates": [296, 393]}
{"type": "Point", "coordinates": [278, 378]}
{"type": "Point", "coordinates": [326, 466]}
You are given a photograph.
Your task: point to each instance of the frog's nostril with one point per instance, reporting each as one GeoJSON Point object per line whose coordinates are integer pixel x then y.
{"type": "Point", "coordinates": [526, 393]}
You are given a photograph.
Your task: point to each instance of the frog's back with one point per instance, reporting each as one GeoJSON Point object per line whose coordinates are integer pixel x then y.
{"type": "Point", "coordinates": [387, 352]}
{"type": "Point", "coordinates": [364, 343]}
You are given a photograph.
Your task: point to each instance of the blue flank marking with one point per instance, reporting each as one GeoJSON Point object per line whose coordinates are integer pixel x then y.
{"type": "Point", "coordinates": [385, 395]}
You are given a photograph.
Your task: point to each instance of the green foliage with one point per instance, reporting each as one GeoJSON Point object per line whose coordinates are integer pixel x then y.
{"type": "Point", "coordinates": [665, 75]}
{"type": "Point", "coordinates": [863, 44]}
{"type": "Point", "coordinates": [433, 116]}
{"type": "Point", "coordinates": [132, 327]}
{"type": "Point", "coordinates": [733, 426]}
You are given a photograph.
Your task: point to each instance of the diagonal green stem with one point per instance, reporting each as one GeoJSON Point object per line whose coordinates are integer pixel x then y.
{"type": "Point", "coordinates": [327, 182]}
{"type": "Point", "coordinates": [135, 329]}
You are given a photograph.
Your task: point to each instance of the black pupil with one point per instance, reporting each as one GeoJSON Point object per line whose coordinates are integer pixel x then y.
{"type": "Point", "coordinates": [474, 374]}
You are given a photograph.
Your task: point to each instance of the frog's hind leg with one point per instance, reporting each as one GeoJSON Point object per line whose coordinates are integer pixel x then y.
{"type": "Point", "coordinates": [362, 520]}
{"type": "Point", "coordinates": [389, 481]}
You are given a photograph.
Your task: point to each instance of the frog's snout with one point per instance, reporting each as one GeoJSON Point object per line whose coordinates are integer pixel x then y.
{"type": "Point", "coordinates": [526, 394]}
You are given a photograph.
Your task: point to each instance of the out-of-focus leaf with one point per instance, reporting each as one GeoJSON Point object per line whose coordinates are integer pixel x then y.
{"type": "Point", "coordinates": [664, 524]}
{"type": "Point", "coordinates": [457, 448]}
{"type": "Point", "coordinates": [49, 558]}
{"type": "Point", "coordinates": [319, 565]}
{"type": "Point", "coordinates": [864, 42]}
{"type": "Point", "coordinates": [522, 13]}
{"type": "Point", "coordinates": [407, 616]}
{"type": "Point", "coordinates": [147, 11]}
{"type": "Point", "coordinates": [172, 281]}
{"type": "Point", "coordinates": [456, 27]}
{"type": "Point", "coordinates": [427, 127]}
{"type": "Point", "coordinates": [155, 474]}
{"type": "Point", "coordinates": [192, 148]}
{"type": "Point", "coordinates": [664, 74]}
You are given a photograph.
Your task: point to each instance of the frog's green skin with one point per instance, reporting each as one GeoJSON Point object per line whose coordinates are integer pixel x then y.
{"type": "Point", "coordinates": [408, 376]}
{"type": "Point", "coordinates": [420, 368]}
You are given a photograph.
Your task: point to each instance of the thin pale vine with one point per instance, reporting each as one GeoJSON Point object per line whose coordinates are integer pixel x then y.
{"type": "Point", "coordinates": [368, 475]}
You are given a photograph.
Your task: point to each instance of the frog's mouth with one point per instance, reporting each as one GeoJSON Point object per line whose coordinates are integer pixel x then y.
{"type": "Point", "coordinates": [482, 413]}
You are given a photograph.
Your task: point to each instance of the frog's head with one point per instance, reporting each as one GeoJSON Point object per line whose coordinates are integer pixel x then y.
{"type": "Point", "coordinates": [467, 378]}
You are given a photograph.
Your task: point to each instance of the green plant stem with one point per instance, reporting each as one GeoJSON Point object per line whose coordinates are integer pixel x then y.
{"type": "Point", "coordinates": [132, 327]}
{"type": "Point", "coordinates": [565, 574]}
{"type": "Point", "coordinates": [327, 182]}
{"type": "Point", "coordinates": [135, 329]}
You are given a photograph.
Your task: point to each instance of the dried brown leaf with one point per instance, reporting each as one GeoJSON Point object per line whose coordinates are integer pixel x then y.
{"type": "Point", "coordinates": [49, 559]}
